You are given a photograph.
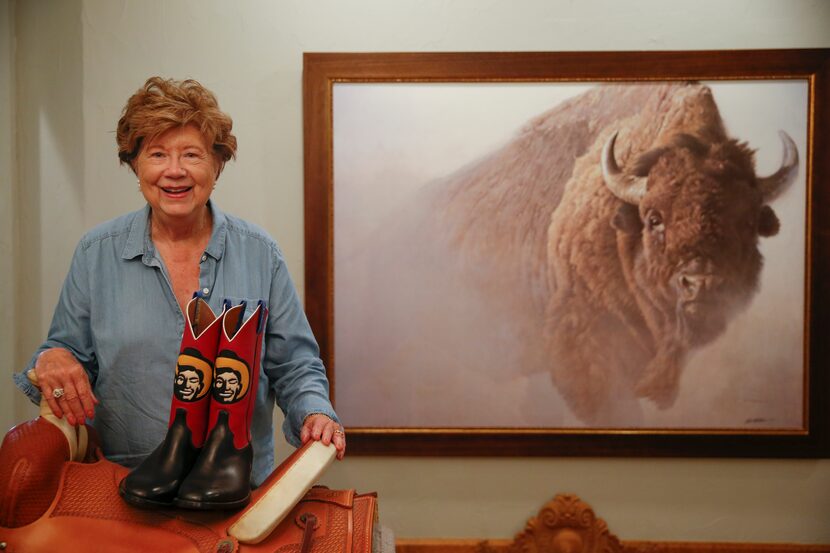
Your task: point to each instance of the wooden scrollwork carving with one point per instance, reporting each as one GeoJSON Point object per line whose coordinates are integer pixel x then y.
{"type": "Point", "coordinates": [566, 524]}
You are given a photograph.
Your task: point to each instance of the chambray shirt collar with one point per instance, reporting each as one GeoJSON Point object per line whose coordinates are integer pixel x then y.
{"type": "Point", "coordinates": [139, 242]}
{"type": "Point", "coordinates": [216, 245]}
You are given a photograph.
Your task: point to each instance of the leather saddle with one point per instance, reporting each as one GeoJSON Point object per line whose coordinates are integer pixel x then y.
{"type": "Point", "coordinates": [58, 493]}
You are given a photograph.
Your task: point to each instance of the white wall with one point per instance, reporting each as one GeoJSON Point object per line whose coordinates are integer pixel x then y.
{"type": "Point", "coordinates": [78, 60]}
{"type": "Point", "coordinates": [49, 190]}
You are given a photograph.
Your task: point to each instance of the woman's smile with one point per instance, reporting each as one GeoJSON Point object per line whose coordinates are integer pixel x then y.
{"type": "Point", "coordinates": [177, 191]}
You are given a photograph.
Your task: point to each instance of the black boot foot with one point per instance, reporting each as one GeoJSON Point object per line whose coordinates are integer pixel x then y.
{"type": "Point", "coordinates": [221, 477]}
{"type": "Point", "coordinates": [155, 482]}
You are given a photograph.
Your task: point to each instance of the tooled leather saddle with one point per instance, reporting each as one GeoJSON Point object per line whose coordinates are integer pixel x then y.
{"type": "Point", "coordinates": [58, 493]}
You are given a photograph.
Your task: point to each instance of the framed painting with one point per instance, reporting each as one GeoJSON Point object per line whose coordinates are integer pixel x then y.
{"type": "Point", "coordinates": [604, 253]}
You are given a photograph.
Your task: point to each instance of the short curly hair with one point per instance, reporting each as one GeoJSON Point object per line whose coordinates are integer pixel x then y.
{"type": "Point", "coordinates": [163, 104]}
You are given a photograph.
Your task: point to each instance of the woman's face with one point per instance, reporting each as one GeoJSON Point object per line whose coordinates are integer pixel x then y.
{"type": "Point", "coordinates": [177, 172]}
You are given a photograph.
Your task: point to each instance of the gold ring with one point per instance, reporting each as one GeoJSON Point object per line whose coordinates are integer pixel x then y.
{"type": "Point", "coordinates": [57, 393]}
{"type": "Point", "coordinates": [338, 432]}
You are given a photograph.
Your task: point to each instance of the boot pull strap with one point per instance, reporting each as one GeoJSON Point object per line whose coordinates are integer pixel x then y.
{"type": "Point", "coordinates": [196, 310]}
{"type": "Point", "coordinates": [262, 310]}
{"type": "Point", "coordinates": [241, 318]}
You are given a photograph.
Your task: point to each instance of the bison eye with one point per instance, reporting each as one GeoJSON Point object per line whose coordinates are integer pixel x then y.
{"type": "Point", "coordinates": [654, 221]}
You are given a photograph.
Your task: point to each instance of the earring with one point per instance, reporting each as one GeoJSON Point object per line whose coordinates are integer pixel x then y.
{"type": "Point", "coordinates": [139, 184]}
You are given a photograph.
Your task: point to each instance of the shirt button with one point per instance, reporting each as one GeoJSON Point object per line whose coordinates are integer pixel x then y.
{"type": "Point", "coordinates": [204, 258]}
{"type": "Point", "coordinates": [205, 291]}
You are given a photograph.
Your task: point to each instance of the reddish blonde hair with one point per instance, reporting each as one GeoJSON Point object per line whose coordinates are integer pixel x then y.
{"type": "Point", "coordinates": [163, 104]}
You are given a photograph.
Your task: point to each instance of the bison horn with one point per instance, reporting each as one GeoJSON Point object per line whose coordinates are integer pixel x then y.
{"type": "Point", "coordinates": [774, 185]}
{"type": "Point", "coordinates": [627, 188]}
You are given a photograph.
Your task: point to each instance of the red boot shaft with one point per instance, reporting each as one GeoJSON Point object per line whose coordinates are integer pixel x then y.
{"type": "Point", "coordinates": [236, 375]}
{"type": "Point", "coordinates": [194, 368]}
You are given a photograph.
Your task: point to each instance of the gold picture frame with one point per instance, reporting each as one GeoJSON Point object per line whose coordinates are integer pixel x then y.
{"type": "Point", "coordinates": [377, 428]}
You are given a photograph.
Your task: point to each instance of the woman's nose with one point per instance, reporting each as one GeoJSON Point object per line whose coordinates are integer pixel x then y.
{"type": "Point", "coordinates": [175, 168]}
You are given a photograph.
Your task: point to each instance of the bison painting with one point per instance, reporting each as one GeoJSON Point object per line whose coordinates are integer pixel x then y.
{"type": "Point", "coordinates": [600, 248]}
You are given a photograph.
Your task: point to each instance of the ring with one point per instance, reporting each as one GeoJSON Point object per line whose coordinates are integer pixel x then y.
{"type": "Point", "coordinates": [57, 393]}
{"type": "Point", "coordinates": [338, 432]}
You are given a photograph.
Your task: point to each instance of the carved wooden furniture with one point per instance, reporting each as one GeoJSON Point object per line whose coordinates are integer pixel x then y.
{"type": "Point", "coordinates": [566, 524]}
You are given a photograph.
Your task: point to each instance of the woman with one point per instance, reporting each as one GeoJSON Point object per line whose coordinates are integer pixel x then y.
{"type": "Point", "coordinates": [111, 352]}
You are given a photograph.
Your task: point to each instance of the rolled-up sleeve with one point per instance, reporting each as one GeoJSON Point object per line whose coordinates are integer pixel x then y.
{"type": "Point", "coordinates": [70, 328]}
{"type": "Point", "coordinates": [292, 357]}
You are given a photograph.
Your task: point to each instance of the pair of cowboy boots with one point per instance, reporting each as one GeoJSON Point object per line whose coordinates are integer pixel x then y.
{"type": "Point", "coordinates": [206, 458]}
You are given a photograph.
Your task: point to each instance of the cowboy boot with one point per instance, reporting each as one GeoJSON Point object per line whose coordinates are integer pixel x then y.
{"type": "Point", "coordinates": [221, 476]}
{"type": "Point", "coordinates": [155, 482]}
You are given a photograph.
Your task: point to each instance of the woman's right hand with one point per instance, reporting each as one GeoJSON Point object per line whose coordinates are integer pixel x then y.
{"type": "Point", "coordinates": [57, 369]}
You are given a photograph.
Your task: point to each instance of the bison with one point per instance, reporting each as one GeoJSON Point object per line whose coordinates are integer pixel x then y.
{"type": "Point", "coordinates": [682, 224]}
{"type": "Point", "coordinates": [610, 238]}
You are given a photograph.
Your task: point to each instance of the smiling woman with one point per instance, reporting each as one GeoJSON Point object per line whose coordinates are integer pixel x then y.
{"type": "Point", "coordinates": [129, 332]}
{"type": "Point", "coordinates": [177, 141]}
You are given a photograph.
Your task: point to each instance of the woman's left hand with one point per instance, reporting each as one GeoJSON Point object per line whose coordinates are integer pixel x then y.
{"type": "Point", "coordinates": [319, 427]}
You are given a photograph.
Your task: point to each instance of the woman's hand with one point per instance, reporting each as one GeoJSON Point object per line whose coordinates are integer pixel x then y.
{"type": "Point", "coordinates": [64, 384]}
{"type": "Point", "coordinates": [319, 427]}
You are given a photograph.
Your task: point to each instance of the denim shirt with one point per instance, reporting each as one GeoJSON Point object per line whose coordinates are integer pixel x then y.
{"type": "Point", "coordinates": [118, 315]}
